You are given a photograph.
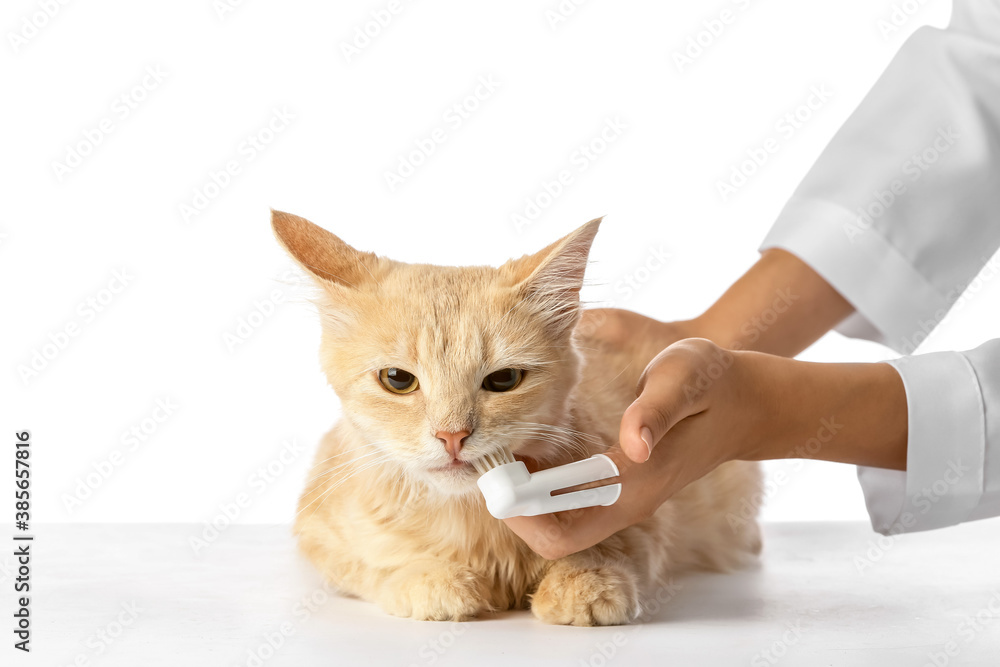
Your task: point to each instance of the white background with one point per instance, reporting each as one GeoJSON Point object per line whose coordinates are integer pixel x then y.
{"type": "Point", "coordinates": [163, 337]}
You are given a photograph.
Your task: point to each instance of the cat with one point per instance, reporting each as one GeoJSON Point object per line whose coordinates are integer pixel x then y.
{"type": "Point", "coordinates": [435, 366]}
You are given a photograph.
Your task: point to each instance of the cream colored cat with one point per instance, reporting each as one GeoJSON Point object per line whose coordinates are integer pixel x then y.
{"type": "Point", "coordinates": [436, 366]}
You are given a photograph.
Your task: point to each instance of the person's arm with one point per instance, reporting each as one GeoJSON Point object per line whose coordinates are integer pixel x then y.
{"type": "Point", "coordinates": [779, 306]}
{"type": "Point", "coordinates": [705, 405]}
{"type": "Point", "coordinates": [895, 219]}
{"type": "Point", "coordinates": [899, 214]}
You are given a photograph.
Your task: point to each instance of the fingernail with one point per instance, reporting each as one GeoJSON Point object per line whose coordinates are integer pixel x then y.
{"type": "Point", "coordinates": [647, 437]}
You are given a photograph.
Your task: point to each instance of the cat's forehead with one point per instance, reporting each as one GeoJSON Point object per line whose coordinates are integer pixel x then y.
{"type": "Point", "coordinates": [440, 293]}
{"type": "Point", "coordinates": [450, 313]}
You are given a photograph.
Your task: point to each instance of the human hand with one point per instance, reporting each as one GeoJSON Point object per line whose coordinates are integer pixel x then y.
{"type": "Point", "coordinates": [630, 333]}
{"type": "Point", "coordinates": [697, 408]}
{"type": "Point", "coordinates": [701, 405]}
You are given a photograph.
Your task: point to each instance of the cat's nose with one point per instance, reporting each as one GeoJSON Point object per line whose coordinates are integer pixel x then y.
{"type": "Point", "coordinates": [453, 441]}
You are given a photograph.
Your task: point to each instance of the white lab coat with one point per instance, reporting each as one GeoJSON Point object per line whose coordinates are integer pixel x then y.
{"type": "Point", "coordinates": [900, 212]}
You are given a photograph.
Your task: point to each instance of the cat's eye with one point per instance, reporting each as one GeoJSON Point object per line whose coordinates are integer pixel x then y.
{"type": "Point", "coordinates": [397, 380]}
{"type": "Point", "coordinates": [503, 380]}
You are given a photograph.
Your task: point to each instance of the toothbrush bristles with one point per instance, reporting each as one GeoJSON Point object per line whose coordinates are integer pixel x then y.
{"type": "Point", "coordinates": [493, 460]}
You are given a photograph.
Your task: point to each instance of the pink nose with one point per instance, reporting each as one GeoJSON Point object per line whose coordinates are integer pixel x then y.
{"type": "Point", "coordinates": [452, 441]}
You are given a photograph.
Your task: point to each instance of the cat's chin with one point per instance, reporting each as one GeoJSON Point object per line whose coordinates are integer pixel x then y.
{"type": "Point", "coordinates": [459, 478]}
{"type": "Point", "coordinates": [454, 479]}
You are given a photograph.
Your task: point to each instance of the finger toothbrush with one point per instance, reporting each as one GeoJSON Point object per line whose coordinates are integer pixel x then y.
{"type": "Point", "coordinates": [510, 490]}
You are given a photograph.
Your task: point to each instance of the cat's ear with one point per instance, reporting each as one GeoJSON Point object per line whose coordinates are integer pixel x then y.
{"type": "Point", "coordinates": [328, 259]}
{"type": "Point", "coordinates": [552, 277]}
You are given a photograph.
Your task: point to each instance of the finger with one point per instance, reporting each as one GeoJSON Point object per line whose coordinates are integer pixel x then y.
{"type": "Point", "coordinates": [664, 399]}
{"type": "Point", "coordinates": [554, 536]}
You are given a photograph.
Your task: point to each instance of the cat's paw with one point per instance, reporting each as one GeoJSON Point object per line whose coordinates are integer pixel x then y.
{"type": "Point", "coordinates": [434, 592]}
{"type": "Point", "coordinates": [604, 595]}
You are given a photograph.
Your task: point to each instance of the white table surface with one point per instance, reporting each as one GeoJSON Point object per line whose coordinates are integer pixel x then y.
{"type": "Point", "coordinates": [917, 593]}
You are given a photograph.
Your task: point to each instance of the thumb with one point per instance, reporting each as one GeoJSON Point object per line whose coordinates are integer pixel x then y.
{"type": "Point", "coordinates": [664, 400]}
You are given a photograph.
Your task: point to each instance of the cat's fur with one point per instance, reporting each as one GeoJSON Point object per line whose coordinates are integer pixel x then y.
{"type": "Point", "coordinates": [381, 524]}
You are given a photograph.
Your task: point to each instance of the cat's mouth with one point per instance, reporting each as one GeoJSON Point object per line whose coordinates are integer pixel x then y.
{"type": "Point", "coordinates": [460, 467]}
{"type": "Point", "coordinates": [454, 466]}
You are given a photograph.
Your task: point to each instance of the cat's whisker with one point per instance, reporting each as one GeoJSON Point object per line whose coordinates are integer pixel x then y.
{"type": "Point", "coordinates": [361, 464]}
{"type": "Point", "coordinates": [605, 385]}
{"type": "Point", "coordinates": [352, 449]}
{"type": "Point", "coordinates": [568, 434]}
{"type": "Point", "coordinates": [563, 429]}
{"type": "Point", "coordinates": [576, 450]}
{"type": "Point", "coordinates": [564, 438]}
{"type": "Point", "coordinates": [339, 466]}
{"type": "Point", "coordinates": [327, 491]}
{"type": "Point", "coordinates": [351, 473]}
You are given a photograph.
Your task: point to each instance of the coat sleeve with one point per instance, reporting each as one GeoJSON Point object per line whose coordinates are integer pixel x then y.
{"type": "Point", "coordinates": [900, 213]}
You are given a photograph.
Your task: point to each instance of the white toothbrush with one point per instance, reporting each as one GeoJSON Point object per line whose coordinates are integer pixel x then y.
{"type": "Point", "coordinates": [510, 490]}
